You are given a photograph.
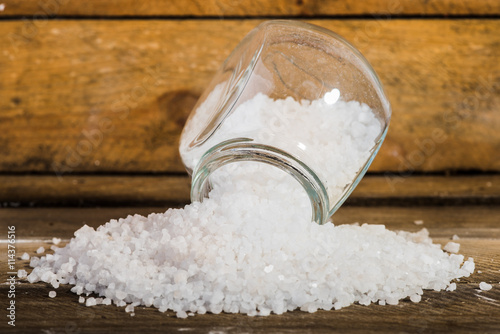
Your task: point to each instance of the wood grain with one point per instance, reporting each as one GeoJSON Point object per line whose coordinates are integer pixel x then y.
{"type": "Point", "coordinates": [138, 190]}
{"type": "Point", "coordinates": [112, 96]}
{"type": "Point", "coordinates": [472, 222]}
{"type": "Point", "coordinates": [462, 311]}
{"type": "Point", "coordinates": [250, 8]}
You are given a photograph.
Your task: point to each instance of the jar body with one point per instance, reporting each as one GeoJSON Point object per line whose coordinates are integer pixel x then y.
{"type": "Point", "coordinates": [297, 97]}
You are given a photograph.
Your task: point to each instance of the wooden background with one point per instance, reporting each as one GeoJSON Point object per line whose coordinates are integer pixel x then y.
{"type": "Point", "coordinates": [94, 94]}
{"type": "Point", "coordinates": [104, 87]}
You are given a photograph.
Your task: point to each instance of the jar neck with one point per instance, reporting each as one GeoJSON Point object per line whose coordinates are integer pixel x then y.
{"type": "Point", "coordinates": [242, 149]}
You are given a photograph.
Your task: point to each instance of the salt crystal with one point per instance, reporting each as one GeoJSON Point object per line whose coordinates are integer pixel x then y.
{"type": "Point", "coordinates": [90, 302]}
{"type": "Point", "coordinates": [469, 265]}
{"type": "Point", "coordinates": [21, 273]}
{"type": "Point", "coordinates": [129, 309]}
{"type": "Point", "coordinates": [25, 256]}
{"type": "Point", "coordinates": [455, 237]}
{"type": "Point", "coordinates": [81, 300]}
{"type": "Point", "coordinates": [215, 256]}
{"type": "Point", "coordinates": [451, 287]}
{"type": "Point", "coordinates": [56, 241]}
{"type": "Point", "coordinates": [418, 222]}
{"type": "Point", "coordinates": [485, 286]}
{"type": "Point", "coordinates": [181, 314]}
{"type": "Point", "coordinates": [268, 268]}
{"type": "Point", "coordinates": [452, 247]}
{"type": "Point", "coordinates": [416, 298]}
{"type": "Point", "coordinates": [52, 294]}
{"type": "Point", "coordinates": [40, 250]}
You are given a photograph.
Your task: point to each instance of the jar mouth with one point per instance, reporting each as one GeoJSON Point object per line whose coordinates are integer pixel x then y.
{"type": "Point", "coordinates": [243, 149]}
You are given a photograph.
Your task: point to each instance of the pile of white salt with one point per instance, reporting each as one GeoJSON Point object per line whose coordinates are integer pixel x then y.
{"type": "Point", "coordinates": [251, 247]}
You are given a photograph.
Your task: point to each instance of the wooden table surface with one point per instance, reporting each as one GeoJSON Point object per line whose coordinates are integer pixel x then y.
{"type": "Point", "coordinates": [467, 309]}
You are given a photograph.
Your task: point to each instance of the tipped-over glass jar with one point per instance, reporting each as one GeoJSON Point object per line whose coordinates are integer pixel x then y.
{"type": "Point", "coordinates": [297, 97]}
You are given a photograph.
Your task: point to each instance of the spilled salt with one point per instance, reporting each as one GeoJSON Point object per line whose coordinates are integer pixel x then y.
{"type": "Point", "coordinates": [251, 246]}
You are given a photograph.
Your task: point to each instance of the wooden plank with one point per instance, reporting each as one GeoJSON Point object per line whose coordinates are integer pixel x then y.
{"type": "Point", "coordinates": [473, 222]}
{"type": "Point", "coordinates": [36, 190]}
{"type": "Point", "coordinates": [108, 96]}
{"type": "Point", "coordinates": [247, 8]}
{"type": "Point", "coordinates": [94, 190]}
{"type": "Point", "coordinates": [462, 311]}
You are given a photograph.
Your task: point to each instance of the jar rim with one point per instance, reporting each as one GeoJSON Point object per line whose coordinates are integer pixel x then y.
{"type": "Point", "coordinates": [245, 150]}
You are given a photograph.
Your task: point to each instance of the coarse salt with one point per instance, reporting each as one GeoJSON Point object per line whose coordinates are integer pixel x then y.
{"type": "Point", "coordinates": [251, 246]}
{"type": "Point", "coordinates": [485, 286]}
{"type": "Point", "coordinates": [21, 273]}
{"type": "Point", "coordinates": [452, 247]}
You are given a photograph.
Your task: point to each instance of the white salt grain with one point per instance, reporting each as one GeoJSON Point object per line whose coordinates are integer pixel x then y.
{"type": "Point", "coordinates": [25, 256]}
{"type": "Point", "coordinates": [216, 256]}
{"type": "Point", "coordinates": [452, 247]}
{"type": "Point", "coordinates": [416, 298]}
{"type": "Point", "coordinates": [418, 222]}
{"type": "Point", "coordinates": [455, 237]}
{"type": "Point", "coordinates": [56, 241]}
{"type": "Point", "coordinates": [40, 250]}
{"type": "Point", "coordinates": [21, 273]}
{"type": "Point", "coordinates": [90, 302]}
{"type": "Point", "coordinates": [452, 287]}
{"type": "Point", "coordinates": [268, 268]}
{"type": "Point", "coordinates": [52, 294]}
{"type": "Point", "coordinates": [81, 300]}
{"type": "Point", "coordinates": [181, 314]}
{"type": "Point", "coordinates": [485, 286]}
{"type": "Point", "coordinates": [129, 308]}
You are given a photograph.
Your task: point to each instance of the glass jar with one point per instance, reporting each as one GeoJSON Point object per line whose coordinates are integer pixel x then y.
{"type": "Point", "coordinates": [297, 97]}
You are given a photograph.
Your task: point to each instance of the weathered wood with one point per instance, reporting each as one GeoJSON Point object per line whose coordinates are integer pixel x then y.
{"type": "Point", "coordinates": [463, 311]}
{"type": "Point", "coordinates": [473, 222]}
{"type": "Point", "coordinates": [94, 190]}
{"type": "Point", "coordinates": [246, 8]}
{"type": "Point", "coordinates": [108, 96]}
{"type": "Point", "coordinates": [153, 190]}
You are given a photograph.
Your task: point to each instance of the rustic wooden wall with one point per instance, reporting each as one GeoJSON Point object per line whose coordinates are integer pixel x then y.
{"type": "Point", "coordinates": [104, 87]}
